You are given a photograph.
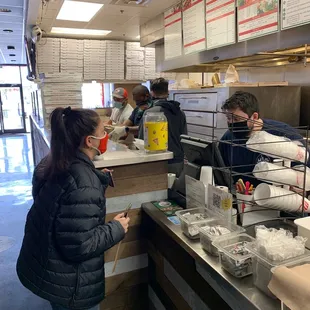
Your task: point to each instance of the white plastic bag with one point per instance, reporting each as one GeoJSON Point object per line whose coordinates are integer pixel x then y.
{"type": "Point", "coordinates": [231, 75]}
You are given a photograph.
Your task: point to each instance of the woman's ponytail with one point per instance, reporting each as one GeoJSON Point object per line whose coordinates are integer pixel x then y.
{"type": "Point", "coordinates": [68, 127]}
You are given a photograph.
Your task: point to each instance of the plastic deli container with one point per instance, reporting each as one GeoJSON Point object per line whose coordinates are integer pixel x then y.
{"type": "Point", "coordinates": [213, 230]}
{"type": "Point", "coordinates": [303, 225]}
{"type": "Point", "coordinates": [189, 219]}
{"type": "Point", "coordinates": [234, 257]}
{"type": "Point", "coordinates": [262, 267]}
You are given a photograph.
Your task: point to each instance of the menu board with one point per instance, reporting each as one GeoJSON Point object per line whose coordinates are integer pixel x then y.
{"type": "Point", "coordinates": [173, 31]}
{"type": "Point", "coordinates": [194, 30]}
{"type": "Point", "coordinates": [257, 18]}
{"type": "Point", "coordinates": [221, 23]}
{"type": "Point", "coordinates": [295, 13]}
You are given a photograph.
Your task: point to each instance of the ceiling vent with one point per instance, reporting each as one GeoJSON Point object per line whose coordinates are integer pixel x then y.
{"type": "Point", "coordinates": [134, 3]}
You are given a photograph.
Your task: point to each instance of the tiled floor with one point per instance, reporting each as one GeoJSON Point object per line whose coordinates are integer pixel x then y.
{"type": "Point", "coordinates": [16, 166]}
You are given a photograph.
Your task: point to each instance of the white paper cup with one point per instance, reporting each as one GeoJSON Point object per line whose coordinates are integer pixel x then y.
{"type": "Point", "coordinates": [171, 179]}
{"type": "Point", "coordinates": [273, 173]}
{"type": "Point", "coordinates": [279, 198]}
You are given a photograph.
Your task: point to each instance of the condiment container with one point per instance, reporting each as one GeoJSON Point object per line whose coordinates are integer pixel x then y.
{"type": "Point", "coordinates": [155, 132]}
{"type": "Point", "coordinates": [303, 226]}
{"type": "Point", "coordinates": [234, 257]}
{"type": "Point", "coordinates": [189, 219]}
{"type": "Point", "coordinates": [262, 267]}
{"type": "Point", "coordinates": [215, 229]}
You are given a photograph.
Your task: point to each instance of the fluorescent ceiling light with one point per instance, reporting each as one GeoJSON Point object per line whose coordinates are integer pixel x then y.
{"type": "Point", "coordinates": [91, 32]}
{"type": "Point", "coordinates": [78, 11]}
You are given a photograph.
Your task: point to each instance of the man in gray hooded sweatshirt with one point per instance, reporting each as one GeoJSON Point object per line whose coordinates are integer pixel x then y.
{"type": "Point", "coordinates": [177, 125]}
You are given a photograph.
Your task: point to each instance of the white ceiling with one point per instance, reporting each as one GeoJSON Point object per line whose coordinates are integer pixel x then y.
{"type": "Point", "coordinates": [122, 20]}
{"type": "Point", "coordinates": [13, 20]}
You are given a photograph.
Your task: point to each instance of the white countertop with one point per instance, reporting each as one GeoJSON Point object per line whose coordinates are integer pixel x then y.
{"type": "Point", "coordinates": [119, 155]}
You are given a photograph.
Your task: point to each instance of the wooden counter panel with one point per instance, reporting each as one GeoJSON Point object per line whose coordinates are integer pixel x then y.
{"type": "Point", "coordinates": [127, 249]}
{"type": "Point", "coordinates": [161, 246]}
{"type": "Point", "coordinates": [133, 298]}
{"type": "Point", "coordinates": [135, 217]}
{"type": "Point", "coordinates": [139, 178]}
{"type": "Point", "coordinates": [125, 280]}
{"type": "Point", "coordinates": [142, 184]}
{"type": "Point", "coordinates": [138, 170]}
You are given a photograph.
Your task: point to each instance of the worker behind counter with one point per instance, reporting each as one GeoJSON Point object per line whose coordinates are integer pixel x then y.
{"type": "Point", "coordinates": [176, 122]}
{"type": "Point", "coordinates": [243, 120]}
{"type": "Point", "coordinates": [141, 96]}
{"type": "Point", "coordinates": [122, 109]}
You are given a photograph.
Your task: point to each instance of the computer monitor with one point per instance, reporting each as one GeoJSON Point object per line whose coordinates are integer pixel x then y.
{"type": "Point", "coordinates": [198, 153]}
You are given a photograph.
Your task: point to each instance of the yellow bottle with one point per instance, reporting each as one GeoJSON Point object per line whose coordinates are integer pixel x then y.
{"type": "Point", "coordinates": [155, 132]}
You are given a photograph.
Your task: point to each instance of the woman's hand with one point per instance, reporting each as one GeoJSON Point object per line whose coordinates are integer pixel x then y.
{"type": "Point", "coordinates": [124, 221]}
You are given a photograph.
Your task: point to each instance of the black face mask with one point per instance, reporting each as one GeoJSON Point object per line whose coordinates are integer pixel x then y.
{"type": "Point", "coordinates": [240, 130]}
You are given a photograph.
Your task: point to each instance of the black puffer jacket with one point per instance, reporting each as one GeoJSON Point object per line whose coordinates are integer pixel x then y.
{"type": "Point", "coordinates": [62, 256]}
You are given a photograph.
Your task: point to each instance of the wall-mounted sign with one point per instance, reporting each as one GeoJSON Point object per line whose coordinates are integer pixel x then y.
{"type": "Point", "coordinates": [221, 23]}
{"type": "Point", "coordinates": [295, 13]}
{"type": "Point", "coordinates": [257, 18]}
{"type": "Point", "coordinates": [173, 31]}
{"type": "Point", "coordinates": [194, 30]}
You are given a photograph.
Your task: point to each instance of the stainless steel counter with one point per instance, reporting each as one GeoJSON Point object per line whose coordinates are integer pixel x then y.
{"type": "Point", "coordinates": [239, 294]}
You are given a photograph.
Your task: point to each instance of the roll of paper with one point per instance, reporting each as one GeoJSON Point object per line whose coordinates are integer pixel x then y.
{"type": "Point", "coordinates": [223, 188]}
{"type": "Point", "coordinates": [279, 198]}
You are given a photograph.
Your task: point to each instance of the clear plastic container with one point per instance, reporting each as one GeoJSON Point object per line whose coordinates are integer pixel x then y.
{"type": "Point", "coordinates": [218, 225]}
{"type": "Point", "coordinates": [189, 221]}
{"type": "Point", "coordinates": [234, 257]}
{"type": "Point", "coordinates": [155, 132]}
{"type": "Point", "coordinates": [262, 267]}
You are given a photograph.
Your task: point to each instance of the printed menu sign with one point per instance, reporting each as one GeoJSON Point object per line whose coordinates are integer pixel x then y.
{"type": "Point", "coordinates": [257, 18]}
{"type": "Point", "coordinates": [173, 31]}
{"type": "Point", "coordinates": [295, 13]}
{"type": "Point", "coordinates": [194, 30]}
{"type": "Point", "coordinates": [221, 25]}
{"type": "Point", "coordinates": [195, 193]}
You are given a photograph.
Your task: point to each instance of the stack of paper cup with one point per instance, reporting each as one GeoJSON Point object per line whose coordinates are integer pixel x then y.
{"type": "Point", "coordinates": [274, 173]}
{"type": "Point", "coordinates": [264, 142]}
{"type": "Point", "coordinates": [279, 198]}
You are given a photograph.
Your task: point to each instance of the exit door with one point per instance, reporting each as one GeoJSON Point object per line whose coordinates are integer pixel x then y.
{"type": "Point", "coordinates": [12, 113]}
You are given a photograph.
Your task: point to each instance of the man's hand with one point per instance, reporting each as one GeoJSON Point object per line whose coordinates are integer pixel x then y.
{"type": "Point", "coordinates": [117, 133]}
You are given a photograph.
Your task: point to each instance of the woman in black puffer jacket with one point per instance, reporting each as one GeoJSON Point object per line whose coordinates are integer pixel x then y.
{"type": "Point", "coordinates": [62, 256]}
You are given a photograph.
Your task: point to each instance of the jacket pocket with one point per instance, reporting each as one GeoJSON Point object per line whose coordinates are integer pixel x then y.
{"type": "Point", "coordinates": [77, 284]}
